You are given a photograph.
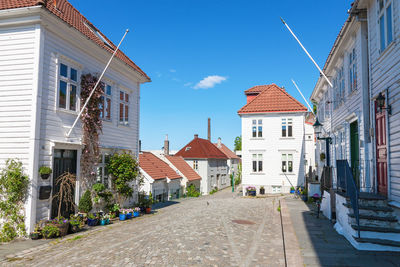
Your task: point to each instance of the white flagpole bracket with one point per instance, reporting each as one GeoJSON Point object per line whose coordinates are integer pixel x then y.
{"type": "Point", "coordinates": [97, 83]}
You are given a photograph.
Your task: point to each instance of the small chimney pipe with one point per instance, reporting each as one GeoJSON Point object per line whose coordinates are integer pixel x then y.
{"type": "Point", "coordinates": [166, 146]}
{"type": "Point", "coordinates": [209, 130]}
{"type": "Point", "coordinates": [196, 136]}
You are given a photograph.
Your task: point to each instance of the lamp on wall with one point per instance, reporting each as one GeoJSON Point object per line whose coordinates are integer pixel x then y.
{"type": "Point", "coordinates": [317, 127]}
{"type": "Point", "coordinates": [328, 140]}
{"type": "Point", "coordinates": [380, 101]}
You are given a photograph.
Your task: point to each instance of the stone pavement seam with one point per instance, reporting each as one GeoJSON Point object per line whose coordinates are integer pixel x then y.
{"type": "Point", "coordinates": [293, 254]}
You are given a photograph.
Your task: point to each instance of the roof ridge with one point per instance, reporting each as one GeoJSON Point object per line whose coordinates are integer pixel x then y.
{"type": "Point", "coordinates": [284, 91]}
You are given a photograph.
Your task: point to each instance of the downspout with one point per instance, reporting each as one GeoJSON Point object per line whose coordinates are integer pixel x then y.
{"type": "Point", "coordinates": [388, 145]}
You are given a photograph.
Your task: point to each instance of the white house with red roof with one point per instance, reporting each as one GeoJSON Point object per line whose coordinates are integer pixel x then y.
{"type": "Point", "coordinates": [189, 175]}
{"type": "Point", "coordinates": [208, 161]}
{"type": "Point", "coordinates": [233, 160]}
{"type": "Point", "coordinates": [273, 140]}
{"type": "Point", "coordinates": [46, 46]}
{"type": "Point", "coordinates": [159, 179]}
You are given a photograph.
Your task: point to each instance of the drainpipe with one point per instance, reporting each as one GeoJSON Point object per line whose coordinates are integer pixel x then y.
{"type": "Point", "coordinates": [388, 144]}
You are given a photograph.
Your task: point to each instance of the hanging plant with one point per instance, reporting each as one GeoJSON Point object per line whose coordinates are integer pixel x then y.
{"type": "Point", "coordinates": [91, 127]}
{"type": "Point", "coordinates": [322, 156]}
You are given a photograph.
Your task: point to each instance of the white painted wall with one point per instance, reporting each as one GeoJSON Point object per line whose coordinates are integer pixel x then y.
{"type": "Point", "coordinates": [272, 146]}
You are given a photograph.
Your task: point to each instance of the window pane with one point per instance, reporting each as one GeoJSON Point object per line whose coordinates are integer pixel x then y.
{"type": "Point", "coordinates": [283, 166]}
{"type": "Point", "coordinates": [121, 95]}
{"type": "Point", "coordinates": [121, 112]}
{"type": "Point", "coordinates": [259, 121]}
{"type": "Point", "coordinates": [254, 166]}
{"type": "Point", "coordinates": [290, 166]}
{"type": "Point", "coordinates": [127, 97]}
{"type": "Point", "coordinates": [63, 70]}
{"type": "Point", "coordinates": [72, 97]}
{"type": "Point", "coordinates": [260, 156]}
{"type": "Point", "coordinates": [108, 109]}
{"type": "Point", "coordinates": [381, 4]}
{"type": "Point", "coordinates": [254, 131]}
{"type": "Point", "coordinates": [259, 131]}
{"type": "Point", "coordinates": [290, 157]}
{"type": "Point", "coordinates": [284, 157]}
{"type": "Point", "coordinates": [126, 113]}
{"type": "Point", "coordinates": [254, 156]}
{"type": "Point", "coordinates": [283, 131]}
{"type": "Point", "coordinates": [62, 101]}
{"type": "Point", "coordinates": [389, 24]}
{"type": "Point", "coordinates": [382, 32]}
{"type": "Point", "coordinates": [260, 166]}
{"type": "Point", "coordinates": [74, 75]}
{"type": "Point", "coordinates": [254, 121]}
{"type": "Point", "coordinates": [101, 107]}
{"type": "Point", "coordinates": [108, 90]}
{"type": "Point", "coordinates": [290, 130]}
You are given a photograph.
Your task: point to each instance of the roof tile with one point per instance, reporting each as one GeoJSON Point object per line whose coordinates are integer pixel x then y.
{"type": "Point", "coordinates": [155, 167]}
{"type": "Point", "coordinates": [200, 148]}
{"type": "Point", "coordinates": [184, 167]}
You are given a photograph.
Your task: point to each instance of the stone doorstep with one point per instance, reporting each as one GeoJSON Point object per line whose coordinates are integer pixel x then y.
{"type": "Point", "coordinates": [376, 229]}
{"type": "Point", "coordinates": [67, 238]}
{"type": "Point", "coordinates": [375, 218]}
{"type": "Point", "coordinates": [373, 208]}
{"type": "Point", "coordinates": [383, 242]}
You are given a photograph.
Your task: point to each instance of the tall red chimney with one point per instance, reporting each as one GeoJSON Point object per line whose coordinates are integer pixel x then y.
{"type": "Point", "coordinates": [209, 130]}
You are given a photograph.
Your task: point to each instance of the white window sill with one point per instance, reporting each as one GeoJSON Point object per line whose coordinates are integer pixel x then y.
{"type": "Point", "coordinates": [287, 138]}
{"type": "Point", "coordinates": [123, 124]}
{"type": "Point", "coordinates": [257, 173]}
{"type": "Point", "coordinates": [287, 173]}
{"type": "Point", "coordinates": [71, 112]}
{"type": "Point", "coordinates": [388, 48]}
{"type": "Point", "coordinates": [257, 138]}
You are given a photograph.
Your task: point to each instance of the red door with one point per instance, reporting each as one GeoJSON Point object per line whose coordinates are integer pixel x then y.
{"type": "Point", "coordinates": [381, 150]}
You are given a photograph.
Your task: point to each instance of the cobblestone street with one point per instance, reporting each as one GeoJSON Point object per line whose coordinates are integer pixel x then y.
{"type": "Point", "coordinates": [194, 232]}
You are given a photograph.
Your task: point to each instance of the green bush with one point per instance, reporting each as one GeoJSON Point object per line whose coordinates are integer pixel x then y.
{"type": "Point", "coordinates": [50, 231]}
{"type": "Point", "coordinates": [191, 191]}
{"type": "Point", "coordinates": [44, 170]}
{"type": "Point", "coordinates": [85, 203]}
{"type": "Point", "coordinates": [214, 191]}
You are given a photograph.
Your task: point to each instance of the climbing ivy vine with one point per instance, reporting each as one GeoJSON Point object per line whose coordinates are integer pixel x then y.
{"type": "Point", "coordinates": [14, 186]}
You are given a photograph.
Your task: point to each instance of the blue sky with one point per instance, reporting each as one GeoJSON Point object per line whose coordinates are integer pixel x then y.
{"type": "Point", "coordinates": [239, 43]}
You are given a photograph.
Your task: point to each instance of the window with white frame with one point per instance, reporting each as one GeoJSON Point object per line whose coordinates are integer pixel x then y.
{"type": "Point", "coordinates": [336, 97]}
{"type": "Point", "coordinates": [257, 128]}
{"type": "Point", "coordinates": [105, 103]}
{"type": "Point", "coordinates": [385, 23]}
{"type": "Point", "coordinates": [102, 171]}
{"type": "Point", "coordinates": [123, 107]}
{"type": "Point", "coordinates": [257, 162]}
{"type": "Point", "coordinates": [196, 165]}
{"type": "Point", "coordinates": [67, 87]}
{"type": "Point", "coordinates": [352, 71]}
{"type": "Point", "coordinates": [287, 127]}
{"type": "Point", "coordinates": [321, 110]}
{"type": "Point", "coordinates": [341, 85]}
{"type": "Point", "coordinates": [327, 102]}
{"type": "Point", "coordinates": [287, 162]}
{"type": "Point", "coordinates": [343, 144]}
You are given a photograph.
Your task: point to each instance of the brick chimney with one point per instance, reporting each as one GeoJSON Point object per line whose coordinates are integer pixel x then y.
{"type": "Point", "coordinates": [196, 136]}
{"type": "Point", "coordinates": [209, 130]}
{"type": "Point", "coordinates": [166, 146]}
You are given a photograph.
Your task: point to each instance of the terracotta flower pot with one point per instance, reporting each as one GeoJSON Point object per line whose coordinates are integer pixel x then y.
{"type": "Point", "coordinates": [148, 210]}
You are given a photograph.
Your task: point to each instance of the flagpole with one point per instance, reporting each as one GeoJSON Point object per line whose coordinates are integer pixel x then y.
{"type": "Point", "coordinates": [308, 54]}
{"type": "Point", "coordinates": [97, 83]}
{"type": "Point", "coordinates": [302, 96]}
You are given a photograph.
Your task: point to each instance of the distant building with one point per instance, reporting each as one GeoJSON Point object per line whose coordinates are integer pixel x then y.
{"type": "Point", "coordinates": [208, 161]}
{"type": "Point", "coordinates": [233, 160]}
{"type": "Point", "coordinates": [273, 140]}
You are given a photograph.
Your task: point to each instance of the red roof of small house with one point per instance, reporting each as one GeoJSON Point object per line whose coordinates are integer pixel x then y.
{"type": "Point", "coordinates": [229, 153]}
{"type": "Point", "coordinates": [184, 168]}
{"type": "Point", "coordinates": [155, 167]}
{"type": "Point", "coordinates": [200, 148]}
{"type": "Point", "coordinates": [67, 13]}
{"type": "Point", "coordinates": [273, 99]}
{"type": "Point", "coordinates": [310, 118]}
{"type": "Point", "coordinates": [257, 89]}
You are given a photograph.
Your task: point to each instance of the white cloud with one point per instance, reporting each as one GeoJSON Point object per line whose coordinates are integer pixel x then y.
{"type": "Point", "coordinates": [188, 84]}
{"type": "Point", "coordinates": [210, 82]}
{"type": "Point", "coordinates": [172, 70]}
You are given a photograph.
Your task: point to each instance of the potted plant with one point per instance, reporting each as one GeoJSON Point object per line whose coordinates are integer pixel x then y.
{"type": "Point", "coordinates": [115, 210]}
{"type": "Point", "coordinates": [76, 223]}
{"type": "Point", "coordinates": [50, 231]}
{"type": "Point", "coordinates": [136, 212]}
{"type": "Point", "coordinates": [148, 204]}
{"type": "Point", "coordinates": [45, 172]}
{"type": "Point", "coordinates": [85, 203]}
{"type": "Point", "coordinates": [292, 190]}
{"type": "Point", "coordinates": [304, 195]}
{"type": "Point", "coordinates": [322, 156]}
{"type": "Point", "coordinates": [251, 191]}
{"type": "Point", "coordinates": [129, 213]}
{"type": "Point", "coordinates": [122, 215]}
{"type": "Point", "coordinates": [92, 220]}
{"type": "Point", "coordinates": [36, 234]}
{"type": "Point", "coordinates": [262, 190]}
{"type": "Point", "coordinates": [104, 219]}
{"type": "Point", "coordinates": [62, 224]}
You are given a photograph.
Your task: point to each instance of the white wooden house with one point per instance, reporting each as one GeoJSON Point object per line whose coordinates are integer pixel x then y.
{"type": "Point", "coordinates": [233, 160]}
{"type": "Point", "coordinates": [45, 47]}
{"type": "Point", "coordinates": [364, 69]}
{"type": "Point", "coordinates": [273, 145]}
{"type": "Point", "coordinates": [208, 161]}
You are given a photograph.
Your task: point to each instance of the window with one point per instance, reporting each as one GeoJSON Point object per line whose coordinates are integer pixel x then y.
{"type": "Point", "coordinates": [385, 23]}
{"type": "Point", "coordinates": [123, 107]}
{"type": "Point", "coordinates": [105, 103]}
{"type": "Point", "coordinates": [257, 162]}
{"type": "Point", "coordinates": [196, 165]}
{"type": "Point", "coordinates": [341, 85]}
{"type": "Point", "coordinates": [67, 91]}
{"type": "Point", "coordinates": [257, 128]}
{"type": "Point", "coordinates": [287, 162]}
{"type": "Point", "coordinates": [336, 98]}
{"type": "Point", "coordinates": [352, 71]}
{"type": "Point", "coordinates": [102, 171]}
{"type": "Point", "coordinates": [287, 127]}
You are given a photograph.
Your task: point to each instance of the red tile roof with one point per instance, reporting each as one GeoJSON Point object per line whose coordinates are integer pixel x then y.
{"type": "Point", "coordinates": [310, 118]}
{"type": "Point", "coordinates": [66, 12]}
{"type": "Point", "coordinates": [229, 153]}
{"type": "Point", "coordinates": [184, 168]}
{"type": "Point", "coordinates": [155, 167]}
{"type": "Point", "coordinates": [200, 148]}
{"type": "Point", "coordinates": [257, 89]}
{"type": "Point", "coordinates": [273, 99]}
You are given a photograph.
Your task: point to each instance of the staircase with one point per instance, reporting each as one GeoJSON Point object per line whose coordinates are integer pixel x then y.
{"type": "Point", "coordinates": [379, 226]}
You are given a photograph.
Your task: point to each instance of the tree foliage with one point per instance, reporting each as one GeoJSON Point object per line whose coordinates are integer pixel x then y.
{"type": "Point", "coordinates": [85, 203]}
{"type": "Point", "coordinates": [14, 185]}
{"type": "Point", "coordinates": [238, 143]}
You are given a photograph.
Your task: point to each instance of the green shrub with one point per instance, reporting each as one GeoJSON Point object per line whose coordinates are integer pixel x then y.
{"type": "Point", "coordinates": [214, 191]}
{"type": "Point", "coordinates": [44, 170]}
{"type": "Point", "coordinates": [85, 203]}
{"type": "Point", "coordinates": [50, 231]}
{"type": "Point", "coordinates": [191, 191]}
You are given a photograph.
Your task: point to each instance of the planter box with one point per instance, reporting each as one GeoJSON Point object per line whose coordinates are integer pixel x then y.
{"type": "Point", "coordinates": [92, 222]}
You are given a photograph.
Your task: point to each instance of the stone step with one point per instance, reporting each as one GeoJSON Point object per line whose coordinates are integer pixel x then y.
{"type": "Point", "coordinates": [383, 242]}
{"type": "Point", "coordinates": [369, 207]}
{"type": "Point", "coordinates": [376, 203]}
{"type": "Point", "coordinates": [376, 218]}
{"type": "Point", "coordinates": [376, 229]}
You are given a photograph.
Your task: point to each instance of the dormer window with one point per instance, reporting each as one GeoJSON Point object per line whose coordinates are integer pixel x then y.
{"type": "Point", "coordinates": [187, 148]}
